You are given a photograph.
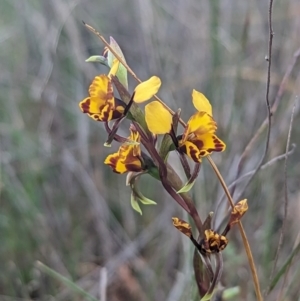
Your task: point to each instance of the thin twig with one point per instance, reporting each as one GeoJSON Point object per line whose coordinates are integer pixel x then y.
{"type": "Point", "coordinates": [286, 200]}
{"type": "Point", "coordinates": [274, 107]}
{"type": "Point", "coordinates": [269, 113]}
{"type": "Point", "coordinates": [250, 173]}
{"type": "Point", "coordinates": [275, 104]}
{"type": "Point", "coordinates": [271, 34]}
{"type": "Point", "coordinates": [277, 98]}
{"type": "Point", "coordinates": [242, 231]}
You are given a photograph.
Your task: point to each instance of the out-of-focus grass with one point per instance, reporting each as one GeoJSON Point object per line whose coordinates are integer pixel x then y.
{"type": "Point", "coordinates": [62, 206]}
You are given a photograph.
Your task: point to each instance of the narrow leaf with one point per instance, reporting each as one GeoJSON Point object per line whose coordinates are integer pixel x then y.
{"type": "Point", "coordinates": [284, 268]}
{"type": "Point", "coordinates": [135, 205]}
{"type": "Point", "coordinates": [231, 292]}
{"type": "Point", "coordinates": [139, 196]}
{"type": "Point", "coordinates": [190, 183]}
{"type": "Point", "coordinates": [207, 297]}
{"type": "Point", "coordinates": [65, 281]}
{"type": "Point", "coordinates": [97, 59]}
{"type": "Point", "coordinates": [122, 71]}
{"type": "Point", "coordinates": [147, 201]}
{"type": "Point", "coordinates": [187, 187]}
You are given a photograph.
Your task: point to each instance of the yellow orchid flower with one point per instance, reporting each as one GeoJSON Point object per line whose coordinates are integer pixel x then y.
{"type": "Point", "coordinates": [128, 158]}
{"type": "Point", "coordinates": [198, 139]}
{"type": "Point", "coordinates": [101, 105]}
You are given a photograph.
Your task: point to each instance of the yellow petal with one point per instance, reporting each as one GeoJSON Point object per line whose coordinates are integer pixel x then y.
{"type": "Point", "coordinates": [101, 88]}
{"type": "Point", "coordinates": [158, 118]}
{"type": "Point", "coordinates": [147, 89]}
{"type": "Point", "coordinates": [199, 124]}
{"type": "Point", "coordinates": [114, 161]}
{"type": "Point", "coordinates": [114, 68]}
{"type": "Point", "coordinates": [135, 139]}
{"type": "Point", "coordinates": [201, 103]}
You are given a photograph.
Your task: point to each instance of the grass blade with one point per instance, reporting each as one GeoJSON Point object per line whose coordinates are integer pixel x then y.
{"type": "Point", "coordinates": [69, 283]}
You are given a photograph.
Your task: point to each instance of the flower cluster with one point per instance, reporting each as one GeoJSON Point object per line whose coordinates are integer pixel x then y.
{"type": "Point", "coordinates": [140, 153]}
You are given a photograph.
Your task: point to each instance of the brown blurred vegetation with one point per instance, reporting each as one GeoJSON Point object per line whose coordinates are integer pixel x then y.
{"type": "Point", "coordinates": [60, 204]}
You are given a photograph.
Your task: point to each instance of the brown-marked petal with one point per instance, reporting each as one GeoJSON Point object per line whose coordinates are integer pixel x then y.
{"type": "Point", "coordinates": [128, 156]}
{"type": "Point", "coordinates": [182, 226]}
{"type": "Point", "coordinates": [101, 105]}
{"type": "Point", "coordinates": [238, 211]}
{"type": "Point", "coordinates": [213, 242]}
{"type": "Point", "coordinates": [202, 146]}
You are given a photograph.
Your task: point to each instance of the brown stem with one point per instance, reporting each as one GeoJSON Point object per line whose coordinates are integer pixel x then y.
{"type": "Point", "coordinates": [161, 167]}
{"type": "Point", "coordinates": [185, 165]}
{"type": "Point", "coordinates": [177, 185]}
{"type": "Point", "coordinates": [171, 181]}
{"type": "Point", "coordinates": [116, 137]}
{"type": "Point", "coordinates": [242, 231]}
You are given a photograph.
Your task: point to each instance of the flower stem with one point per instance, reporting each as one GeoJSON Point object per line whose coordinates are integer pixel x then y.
{"type": "Point", "coordinates": [242, 231]}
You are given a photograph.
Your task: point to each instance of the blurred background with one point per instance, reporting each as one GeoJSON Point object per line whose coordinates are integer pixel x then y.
{"type": "Point", "coordinates": [62, 206]}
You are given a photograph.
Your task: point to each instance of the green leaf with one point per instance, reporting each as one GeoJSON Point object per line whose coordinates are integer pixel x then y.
{"type": "Point", "coordinates": [122, 71]}
{"type": "Point", "coordinates": [231, 292]}
{"type": "Point", "coordinates": [187, 187]}
{"type": "Point", "coordinates": [98, 59]}
{"type": "Point", "coordinates": [69, 283]}
{"type": "Point", "coordinates": [135, 205]}
{"type": "Point", "coordinates": [146, 201]}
